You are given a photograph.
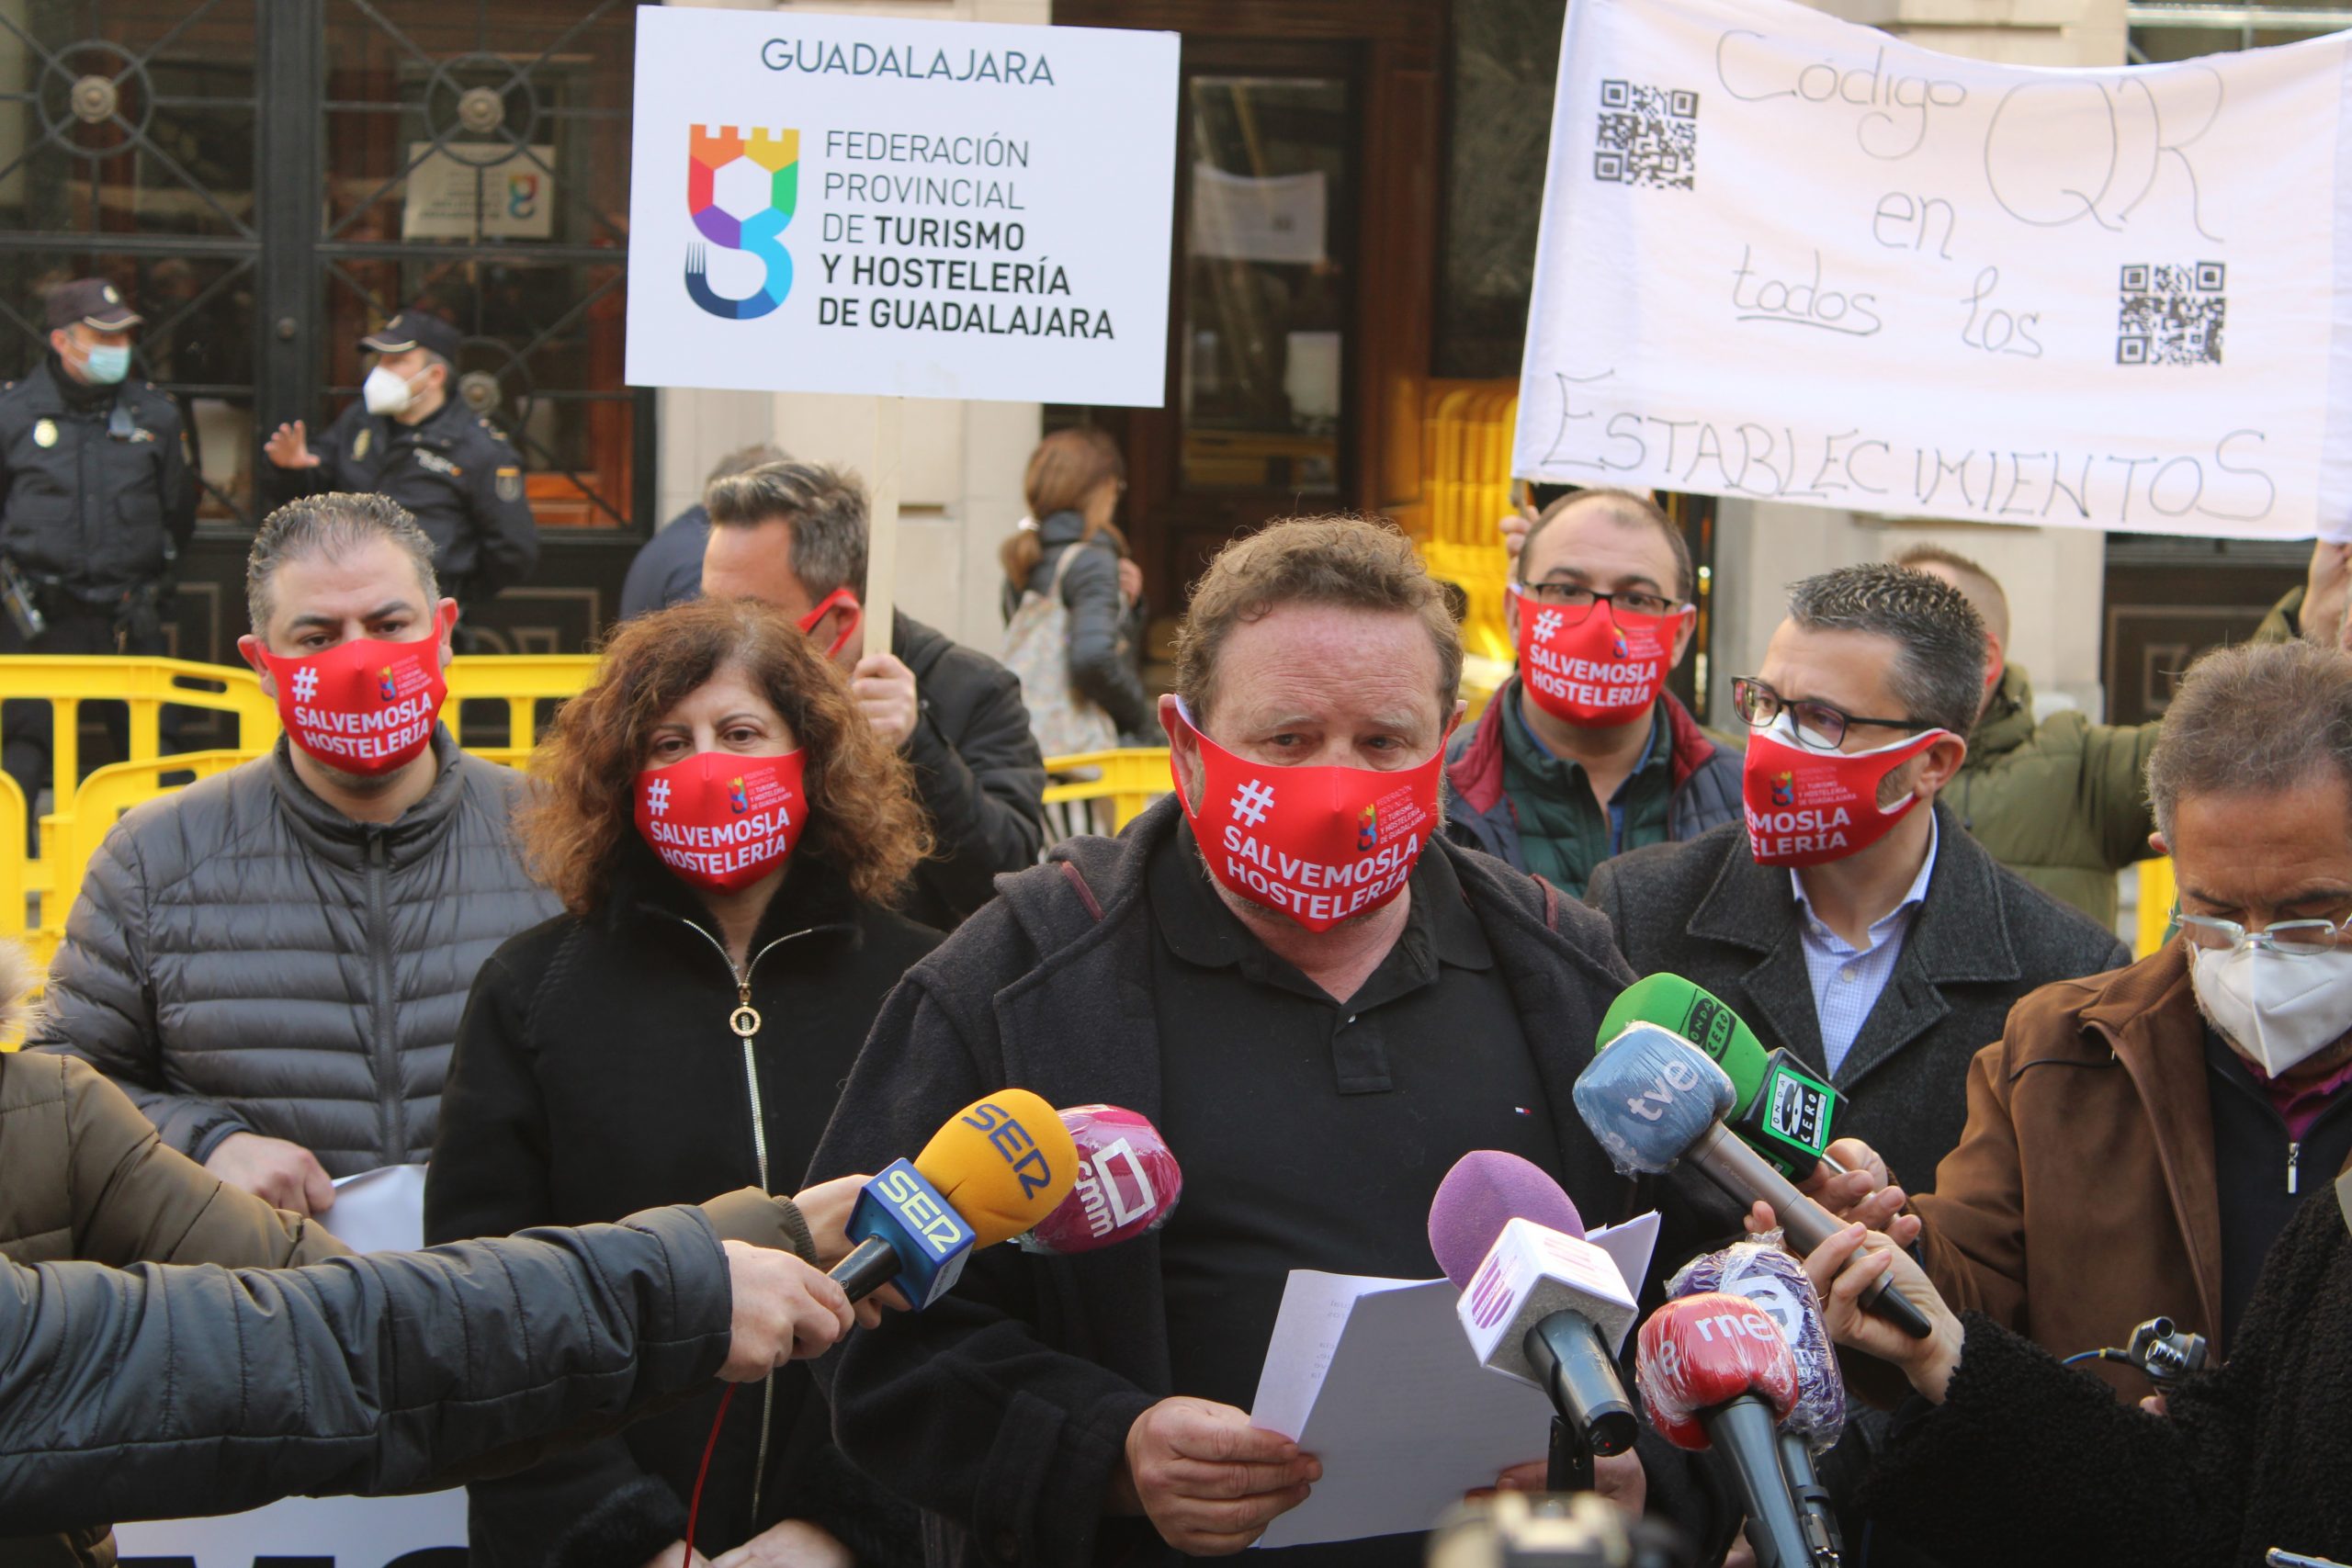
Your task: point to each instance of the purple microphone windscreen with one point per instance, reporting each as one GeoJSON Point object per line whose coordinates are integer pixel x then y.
{"type": "Point", "coordinates": [1486, 1190]}
{"type": "Point", "coordinates": [1648, 1096]}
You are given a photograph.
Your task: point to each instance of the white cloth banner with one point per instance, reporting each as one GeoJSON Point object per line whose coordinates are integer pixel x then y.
{"type": "Point", "coordinates": [1789, 258]}
{"type": "Point", "coordinates": [924, 209]}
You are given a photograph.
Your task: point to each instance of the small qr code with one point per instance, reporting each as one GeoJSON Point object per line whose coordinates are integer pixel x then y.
{"type": "Point", "coordinates": [1647, 136]}
{"type": "Point", "coordinates": [2171, 315]}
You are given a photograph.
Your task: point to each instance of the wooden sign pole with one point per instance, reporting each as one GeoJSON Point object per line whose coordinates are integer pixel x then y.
{"type": "Point", "coordinates": [882, 532]}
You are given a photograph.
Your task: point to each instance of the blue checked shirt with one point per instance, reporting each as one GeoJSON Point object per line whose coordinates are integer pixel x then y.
{"type": "Point", "coordinates": [1847, 980]}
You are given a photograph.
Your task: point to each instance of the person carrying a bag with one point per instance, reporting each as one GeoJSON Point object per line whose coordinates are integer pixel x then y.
{"type": "Point", "coordinates": [1072, 606]}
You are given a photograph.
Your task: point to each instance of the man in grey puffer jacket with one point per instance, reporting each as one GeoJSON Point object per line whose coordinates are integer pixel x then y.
{"type": "Point", "coordinates": [272, 962]}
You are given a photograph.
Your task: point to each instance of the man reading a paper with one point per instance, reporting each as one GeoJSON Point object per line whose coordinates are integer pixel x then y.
{"type": "Point", "coordinates": [1321, 1002]}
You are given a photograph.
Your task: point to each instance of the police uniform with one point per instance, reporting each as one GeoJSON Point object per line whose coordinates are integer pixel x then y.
{"type": "Point", "coordinates": [96, 503]}
{"type": "Point", "coordinates": [452, 471]}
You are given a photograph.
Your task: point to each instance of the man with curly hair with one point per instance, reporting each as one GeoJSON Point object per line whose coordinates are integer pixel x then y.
{"type": "Point", "coordinates": [272, 961]}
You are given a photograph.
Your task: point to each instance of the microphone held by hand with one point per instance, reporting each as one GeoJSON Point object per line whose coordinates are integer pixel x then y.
{"type": "Point", "coordinates": [1655, 1100]}
{"type": "Point", "coordinates": [997, 1167]}
{"type": "Point", "coordinates": [1778, 1104]}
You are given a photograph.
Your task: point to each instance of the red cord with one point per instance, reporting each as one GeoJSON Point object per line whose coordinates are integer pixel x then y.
{"type": "Point", "coordinates": [702, 1472]}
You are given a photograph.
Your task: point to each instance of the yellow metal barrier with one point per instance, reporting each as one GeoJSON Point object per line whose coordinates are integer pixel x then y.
{"type": "Point", "coordinates": [70, 837]}
{"type": "Point", "coordinates": [521, 681]}
{"type": "Point", "coordinates": [1128, 777]}
{"type": "Point", "coordinates": [2155, 915]}
{"type": "Point", "coordinates": [1467, 432]}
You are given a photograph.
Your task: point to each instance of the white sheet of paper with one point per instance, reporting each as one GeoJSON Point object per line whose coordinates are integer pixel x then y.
{"type": "Point", "coordinates": [1375, 1377]}
{"type": "Point", "coordinates": [377, 1211]}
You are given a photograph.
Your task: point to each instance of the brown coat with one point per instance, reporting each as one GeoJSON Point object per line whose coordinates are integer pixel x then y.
{"type": "Point", "coordinates": [2081, 1198]}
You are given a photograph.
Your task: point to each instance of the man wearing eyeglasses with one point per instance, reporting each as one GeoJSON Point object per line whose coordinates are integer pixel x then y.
{"type": "Point", "coordinates": [1583, 753]}
{"type": "Point", "coordinates": [1849, 919]}
{"type": "Point", "coordinates": [2136, 1142]}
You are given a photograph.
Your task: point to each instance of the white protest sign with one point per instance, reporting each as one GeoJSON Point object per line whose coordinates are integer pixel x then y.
{"type": "Point", "coordinates": [924, 209]}
{"type": "Point", "coordinates": [1791, 258]}
{"type": "Point", "coordinates": [377, 1211]}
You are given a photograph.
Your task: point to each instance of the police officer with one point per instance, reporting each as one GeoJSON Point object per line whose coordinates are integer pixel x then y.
{"type": "Point", "coordinates": [96, 503]}
{"type": "Point", "coordinates": [409, 439]}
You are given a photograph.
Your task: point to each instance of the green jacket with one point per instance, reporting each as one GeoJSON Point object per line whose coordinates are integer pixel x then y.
{"type": "Point", "coordinates": [2064, 803]}
{"type": "Point", "coordinates": [2285, 622]}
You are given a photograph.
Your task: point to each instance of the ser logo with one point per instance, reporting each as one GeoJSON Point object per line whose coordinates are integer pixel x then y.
{"type": "Point", "coordinates": [741, 190]}
{"type": "Point", "coordinates": [922, 1215]}
{"type": "Point", "coordinates": [1013, 1142]}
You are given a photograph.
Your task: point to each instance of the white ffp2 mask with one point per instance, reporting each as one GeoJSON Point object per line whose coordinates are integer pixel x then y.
{"type": "Point", "coordinates": [385, 392]}
{"type": "Point", "coordinates": [2278, 1011]}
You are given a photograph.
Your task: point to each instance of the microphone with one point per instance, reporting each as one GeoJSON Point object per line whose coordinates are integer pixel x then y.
{"type": "Point", "coordinates": [1127, 1184]}
{"type": "Point", "coordinates": [1716, 1374]}
{"type": "Point", "coordinates": [1777, 1285]}
{"type": "Point", "coordinates": [1779, 1107]}
{"type": "Point", "coordinates": [1538, 1302]}
{"type": "Point", "coordinates": [997, 1167]}
{"type": "Point", "coordinates": [1653, 1098]}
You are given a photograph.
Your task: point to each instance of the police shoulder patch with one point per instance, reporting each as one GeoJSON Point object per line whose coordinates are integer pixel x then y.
{"type": "Point", "coordinates": [509, 484]}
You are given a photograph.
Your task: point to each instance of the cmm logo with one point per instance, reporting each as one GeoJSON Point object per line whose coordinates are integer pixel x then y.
{"type": "Point", "coordinates": [741, 192]}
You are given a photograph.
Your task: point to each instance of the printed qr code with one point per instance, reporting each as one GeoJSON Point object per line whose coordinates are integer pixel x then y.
{"type": "Point", "coordinates": [1647, 136]}
{"type": "Point", "coordinates": [2171, 315]}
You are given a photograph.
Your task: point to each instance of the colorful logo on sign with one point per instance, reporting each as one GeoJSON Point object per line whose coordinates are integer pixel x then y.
{"type": "Point", "coordinates": [522, 195]}
{"type": "Point", "coordinates": [742, 191]}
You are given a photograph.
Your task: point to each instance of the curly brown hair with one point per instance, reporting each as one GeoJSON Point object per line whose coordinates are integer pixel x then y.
{"type": "Point", "coordinates": [863, 820]}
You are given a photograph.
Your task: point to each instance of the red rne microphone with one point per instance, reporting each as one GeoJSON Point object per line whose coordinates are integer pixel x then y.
{"type": "Point", "coordinates": [1127, 1183]}
{"type": "Point", "coordinates": [1714, 1372]}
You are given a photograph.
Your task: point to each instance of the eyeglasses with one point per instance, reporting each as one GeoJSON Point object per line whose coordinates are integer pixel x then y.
{"type": "Point", "coordinates": [1819, 726]}
{"type": "Point", "coordinates": [2288, 939]}
{"type": "Point", "coordinates": [1578, 600]}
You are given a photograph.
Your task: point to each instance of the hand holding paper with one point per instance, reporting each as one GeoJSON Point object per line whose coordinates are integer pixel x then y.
{"type": "Point", "coordinates": [1209, 1481]}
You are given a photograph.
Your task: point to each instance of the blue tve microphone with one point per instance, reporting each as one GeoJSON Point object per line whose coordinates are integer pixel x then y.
{"type": "Point", "coordinates": [1656, 1100]}
{"type": "Point", "coordinates": [996, 1169]}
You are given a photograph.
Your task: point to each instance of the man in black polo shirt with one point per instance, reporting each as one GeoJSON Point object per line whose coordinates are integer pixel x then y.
{"type": "Point", "coordinates": [1321, 1002]}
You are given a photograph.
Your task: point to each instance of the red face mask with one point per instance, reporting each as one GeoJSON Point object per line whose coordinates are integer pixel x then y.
{"type": "Point", "coordinates": [1806, 808]}
{"type": "Point", "coordinates": [1315, 844]}
{"type": "Point", "coordinates": [722, 821]}
{"type": "Point", "coordinates": [1606, 668]}
{"type": "Point", "coordinates": [839, 597]}
{"type": "Point", "coordinates": [365, 707]}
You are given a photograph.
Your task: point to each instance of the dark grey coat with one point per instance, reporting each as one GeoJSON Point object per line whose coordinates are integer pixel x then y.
{"type": "Point", "coordinates": [1982, 939]}
{"type": "Point", "coordinates": [163, 1393]}
{"type": "Point", "coordinates": [244, 958]}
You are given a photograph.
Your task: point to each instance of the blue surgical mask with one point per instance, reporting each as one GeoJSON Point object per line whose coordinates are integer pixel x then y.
{"type": "Point", "coordinates": [106, 366]}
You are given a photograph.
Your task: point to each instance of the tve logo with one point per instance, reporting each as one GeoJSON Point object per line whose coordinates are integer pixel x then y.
{"type": "Point", "coordinates": [741, 192]}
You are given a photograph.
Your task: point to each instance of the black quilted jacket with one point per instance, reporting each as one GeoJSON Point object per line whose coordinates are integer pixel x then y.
{"type": "Point", "coordinates": [245, 958]}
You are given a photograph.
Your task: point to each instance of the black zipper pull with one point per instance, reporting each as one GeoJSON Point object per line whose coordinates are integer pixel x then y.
{"type": "Point", "coordinates": [2294, 1153]}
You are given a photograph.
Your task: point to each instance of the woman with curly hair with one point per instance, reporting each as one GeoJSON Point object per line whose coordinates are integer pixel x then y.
{"type": "Point", "coordinates": [725, 833]}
